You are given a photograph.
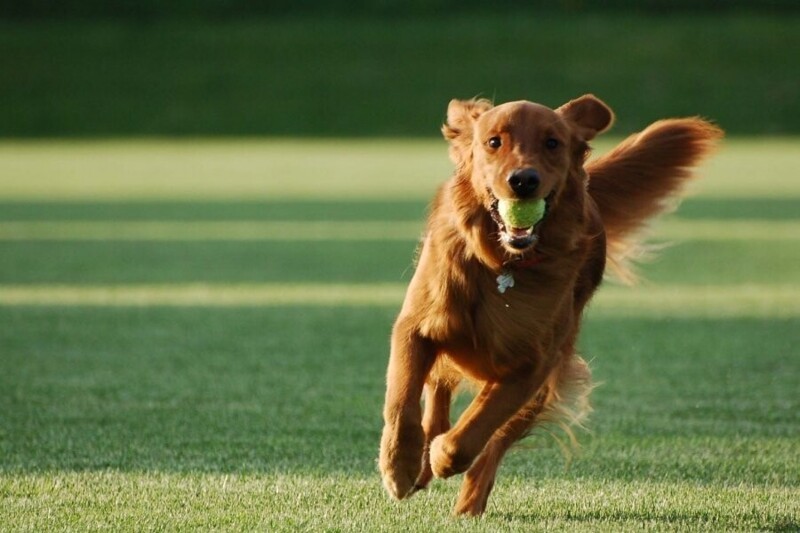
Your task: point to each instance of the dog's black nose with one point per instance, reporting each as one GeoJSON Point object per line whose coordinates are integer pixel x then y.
{"type": "Point", "coordinates": [524, 182]}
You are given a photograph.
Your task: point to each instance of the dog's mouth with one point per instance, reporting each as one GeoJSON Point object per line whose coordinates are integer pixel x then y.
{"type": "Point", "coordinates": [517, 240]}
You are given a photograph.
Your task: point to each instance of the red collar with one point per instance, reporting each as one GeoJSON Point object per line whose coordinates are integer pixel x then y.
{"type": "Point", "coordinates": [523, 264]}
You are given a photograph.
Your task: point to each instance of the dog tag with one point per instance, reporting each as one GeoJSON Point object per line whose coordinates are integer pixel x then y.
{"type": "Point", "coordinates": [505, 281]}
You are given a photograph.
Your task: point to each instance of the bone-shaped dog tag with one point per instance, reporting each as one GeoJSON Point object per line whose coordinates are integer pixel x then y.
{"type": "Point", "coordinates": [505, 281]}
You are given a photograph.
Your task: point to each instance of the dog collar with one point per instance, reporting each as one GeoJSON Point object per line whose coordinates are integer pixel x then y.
{"type": "Point", "coordinates": [523, 264]}
{"type": "Point", "coordinates": [505, 280]}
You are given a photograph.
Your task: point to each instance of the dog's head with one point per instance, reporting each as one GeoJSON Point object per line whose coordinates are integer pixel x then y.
{"type": "Point", "coordinates": [521, 151]}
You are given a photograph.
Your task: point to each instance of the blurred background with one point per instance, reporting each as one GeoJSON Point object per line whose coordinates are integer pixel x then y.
{"type": "Point", "coordinates": [334, 68]}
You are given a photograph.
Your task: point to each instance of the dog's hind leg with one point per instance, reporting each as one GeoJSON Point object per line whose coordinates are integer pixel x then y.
{"type": "Point", "coordinates": [565, 404]}
{"type": "Point", "coordinates": [479, 479]}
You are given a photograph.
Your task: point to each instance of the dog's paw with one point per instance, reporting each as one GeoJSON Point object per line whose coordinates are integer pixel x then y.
{"type": "Point", "coordinates": [475, 489]}
{"type": "Point", "coordinates": [398, 484]}
{"type": "Point", "coordinates": [447, 459]}
{"type": "Point", "coordinates": [426, 474]}
{"type": "Point", "coordinates": [400, 460]}
{"type": "Point", "coordinates": [473, 507]}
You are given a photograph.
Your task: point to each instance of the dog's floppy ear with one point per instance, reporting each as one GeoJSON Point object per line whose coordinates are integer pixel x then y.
{"type": "Point", "coordinates": [588, 114]}
{"type": "Point", "coordinates": [461, 116]}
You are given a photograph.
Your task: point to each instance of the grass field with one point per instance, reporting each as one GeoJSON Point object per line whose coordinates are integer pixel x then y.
{"type": "Point", "coordinates": [193, 335]}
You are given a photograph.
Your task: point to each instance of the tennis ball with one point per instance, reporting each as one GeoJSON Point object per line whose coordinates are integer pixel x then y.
{"type": "Point", "coordinates": [521, 213]}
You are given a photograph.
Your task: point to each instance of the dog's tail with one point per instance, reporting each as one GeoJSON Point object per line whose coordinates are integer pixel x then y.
{"type": "Point", "coordinates": [643, 177]}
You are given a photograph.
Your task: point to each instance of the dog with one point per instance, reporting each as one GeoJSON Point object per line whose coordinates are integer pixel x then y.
{"type": "Point", "coordinates": [501, 307]}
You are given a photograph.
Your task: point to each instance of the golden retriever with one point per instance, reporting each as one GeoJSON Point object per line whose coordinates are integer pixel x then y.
{"type": "Point", "coordinates": [501, 307]}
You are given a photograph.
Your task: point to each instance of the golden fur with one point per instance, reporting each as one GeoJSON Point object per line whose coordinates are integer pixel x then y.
{"type": "Point", "coordinates": [519, 346]}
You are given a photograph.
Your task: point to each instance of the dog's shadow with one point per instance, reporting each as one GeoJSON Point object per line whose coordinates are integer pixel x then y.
{"type": "Point", "coordinates": [632, 518]}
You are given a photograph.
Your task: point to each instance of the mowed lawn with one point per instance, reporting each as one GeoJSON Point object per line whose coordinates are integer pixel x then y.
{"type": "Point", "coordinates": [193, 335]}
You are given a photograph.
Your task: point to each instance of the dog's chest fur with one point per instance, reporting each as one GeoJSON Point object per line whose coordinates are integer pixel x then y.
{"type": "Point", "coordinates": [492, 332]}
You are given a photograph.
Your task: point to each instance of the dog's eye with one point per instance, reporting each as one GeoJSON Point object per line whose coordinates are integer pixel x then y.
{"type": "Point", "coordinates": [551, 143]}
{"type": "Point", "coordinates": [495, 142]}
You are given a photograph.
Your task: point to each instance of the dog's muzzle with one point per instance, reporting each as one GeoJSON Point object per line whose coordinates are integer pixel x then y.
{"type": "Point", "coordinates": [517, 239]}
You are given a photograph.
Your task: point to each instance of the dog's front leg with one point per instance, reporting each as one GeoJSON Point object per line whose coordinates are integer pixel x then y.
{"type": "Point", "coordinates": [453, 452]}
{"type": "Point", "coordinates": [435, 421]}
{"type": "Point", "coordinates": [403, 439]}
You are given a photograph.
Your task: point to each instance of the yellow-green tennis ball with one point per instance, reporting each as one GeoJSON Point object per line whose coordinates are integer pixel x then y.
{"type": "Point", "coordinates": [521, 213]}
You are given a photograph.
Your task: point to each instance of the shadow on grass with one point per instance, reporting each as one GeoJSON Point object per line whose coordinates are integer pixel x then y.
{"type": "Point", "coordinates": [371, 209]}
{"type": "Point", "coordinates": [192, 210]}
{"type": "Point", "coordinates": [639, 518]}
{"type": "Point", "coordinates": [741, 208]}
{"type": "Point", "coordinates": [785, 526]}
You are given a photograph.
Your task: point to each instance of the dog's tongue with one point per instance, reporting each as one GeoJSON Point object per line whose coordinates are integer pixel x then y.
{"type": "Point", "coordinates": [517, 233]}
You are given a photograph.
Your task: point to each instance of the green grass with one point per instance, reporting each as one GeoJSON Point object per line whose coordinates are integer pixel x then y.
{"type": "Point", "coordinates": [340, 76]}
{"type": "Point", "coordinates": [170, 360]}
